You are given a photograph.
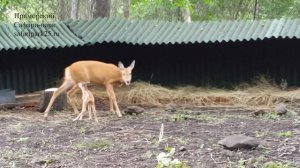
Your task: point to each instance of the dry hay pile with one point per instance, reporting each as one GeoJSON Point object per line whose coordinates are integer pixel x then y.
{"type": "Point", "coordinates": [261, 93]}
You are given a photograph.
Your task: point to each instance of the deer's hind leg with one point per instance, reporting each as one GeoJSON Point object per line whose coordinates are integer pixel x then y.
{"type": "Point", "coordinates": [95, 112]}
{"type": "Point", "coordinates": [90, 105]}
{"type": "Point", "coordinates": [66, 85]}
{"type": "Point", "coordinates": [70, 94]}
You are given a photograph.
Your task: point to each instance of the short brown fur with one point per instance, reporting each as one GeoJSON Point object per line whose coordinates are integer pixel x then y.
{"type": "Point", "coordinates": [95, 72]}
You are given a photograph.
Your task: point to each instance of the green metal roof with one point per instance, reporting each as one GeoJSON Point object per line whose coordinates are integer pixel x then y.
{"type": "Point", "coordinates": [81, 32]}
{"type": "Point", "coordinates": [161, 32]}
{"type": "Point", "coordinates": [14, 36]}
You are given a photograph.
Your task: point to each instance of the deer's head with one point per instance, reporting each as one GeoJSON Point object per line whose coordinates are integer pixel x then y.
{"type": "Point", "coordinates": [126, 72]}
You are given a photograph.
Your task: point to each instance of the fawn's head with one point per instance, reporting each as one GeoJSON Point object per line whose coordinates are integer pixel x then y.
{"type": "Point", "coordinates": [126, 72]}
{"type": "Point", "coordinates": [83, 85]}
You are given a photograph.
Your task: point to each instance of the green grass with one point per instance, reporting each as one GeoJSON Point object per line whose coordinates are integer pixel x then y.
{"type": "Point", "coordinates": [180, 117]}
{"type": "Point", "coordinates": [271, 116]}
{"type": "Point", "coordinates": [203, 118]}
{"type": "Point", "coordinates": [277, 165]}
{"type": "Point", "coordinates": [82, 130]}
{"type": "Point", "coordinates": [259, 134]}
{"type": "Point", "coordinates": [259, 162]}
{"type": "Point", "coordinates": [285, 134]}
{"type": "Point", "coordinates": [166, 159]}
{"type": "Point", "coordinates": [95, 144]}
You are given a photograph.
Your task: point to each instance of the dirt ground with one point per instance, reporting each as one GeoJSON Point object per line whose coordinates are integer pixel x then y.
{"type": "Point", "coordinates": [26, 140]}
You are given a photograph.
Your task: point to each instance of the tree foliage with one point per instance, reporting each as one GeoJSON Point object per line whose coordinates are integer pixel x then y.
{"type": "Point", "coordinates": [159, 9]}
{"type": "Point", "coordinates": [216, 9]}
{"type": "Point", "coordinates": [169, 10]}
{"type": "Point", "coordinates": [7, 6]}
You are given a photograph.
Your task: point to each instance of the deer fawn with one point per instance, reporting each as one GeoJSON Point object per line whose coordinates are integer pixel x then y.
{"type": "Point", "coordinates": [88, 103]}
{"type": "Point", "coordinates": [95, 72]}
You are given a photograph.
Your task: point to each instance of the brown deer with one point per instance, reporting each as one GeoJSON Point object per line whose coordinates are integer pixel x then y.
{"type": "Point", "coordinates": [94, 72]}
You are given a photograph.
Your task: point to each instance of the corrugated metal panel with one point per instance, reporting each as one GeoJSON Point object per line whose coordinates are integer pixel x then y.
{"type": "Point", "coordinates": [160, 32]}
{"type": "Point", "coordinates": [292, 27]}
{"type": "Point", "coordinates": [63, 37]}
{"type": "Point", "coordinates": [147, 32]}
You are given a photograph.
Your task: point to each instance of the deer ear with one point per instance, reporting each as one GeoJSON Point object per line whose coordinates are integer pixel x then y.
{"type": "Point", "coordinates": [131, 66]}
{"type": "Point", "coordinates": [120, 65]}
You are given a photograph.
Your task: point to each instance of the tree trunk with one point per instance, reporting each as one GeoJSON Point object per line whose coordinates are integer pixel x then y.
{"type": "Point", "coordinates": [126, 8]}
{"type": "Point", "coordinates": [74, 9]}
{"type": "Point", "coordinates": [238, 10]}
{"type": "Point", "coordinates": [256, 8]}
{"type": "Point", "coordinates": [102, 8]}
{"type": "Point", "coordinates": [91, 4]}
{"type": "Point", "coordinates": [61, 13]}
{"type": "Point", "coordinates": [115, 6]}
{"type": "Point", "coordinates": [186, 15]}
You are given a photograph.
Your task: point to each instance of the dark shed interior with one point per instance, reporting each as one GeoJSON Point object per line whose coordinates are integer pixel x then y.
{"type": "Point", "coordinates": [213, 64]}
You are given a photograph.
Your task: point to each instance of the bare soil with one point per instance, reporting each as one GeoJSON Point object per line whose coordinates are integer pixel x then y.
{"type": "Point", "coordinates": [26, 140]}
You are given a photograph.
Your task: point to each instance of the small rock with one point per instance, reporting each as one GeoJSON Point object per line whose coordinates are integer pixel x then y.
{"type": "Point", "coordinates": [259, 113]}
{"type": "Point", "coordinates": [182, 148]}
{"type": "Point", "coordinates": [280, 109]}
{"type": "Point", "coordinates": [238, 142]}
{"type": "Point", "coordinates": [134, 110]}
{"type": "Point", "coordinates": [171, 107]}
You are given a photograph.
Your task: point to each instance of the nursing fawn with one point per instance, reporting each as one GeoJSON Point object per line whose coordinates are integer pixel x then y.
{"type": "Point", "coordinates": [88, 103]}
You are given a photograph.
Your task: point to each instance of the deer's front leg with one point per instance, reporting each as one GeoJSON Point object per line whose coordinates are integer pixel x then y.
{"type": "Point", "coordinates": [113, 99]}
{"type": "Point", "coordinates": [110, 100]}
